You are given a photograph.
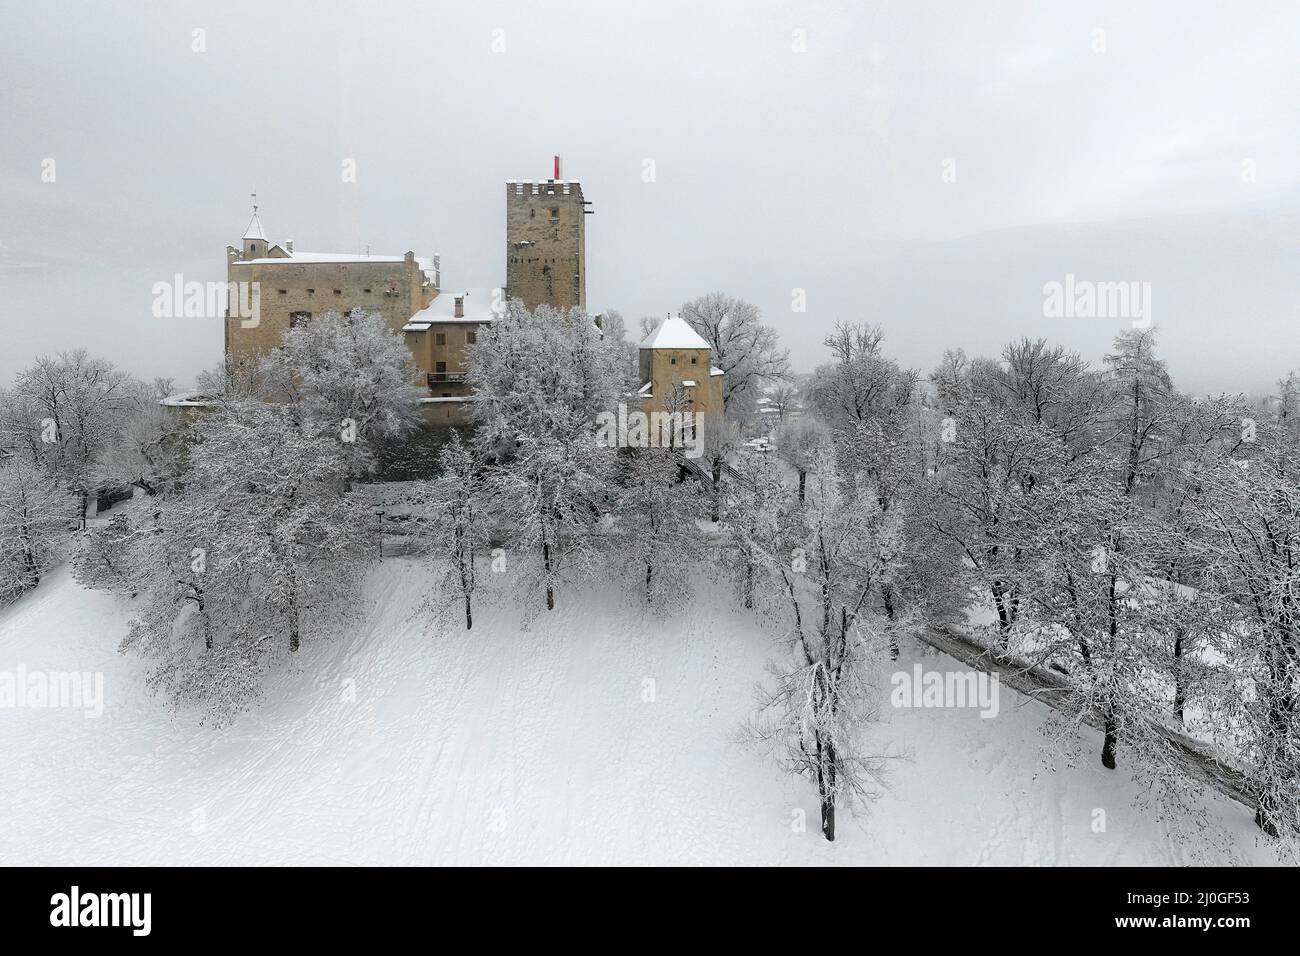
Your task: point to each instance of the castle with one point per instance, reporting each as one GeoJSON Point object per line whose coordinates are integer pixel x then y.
{"type": "Point", "coordinates": [545, 264]}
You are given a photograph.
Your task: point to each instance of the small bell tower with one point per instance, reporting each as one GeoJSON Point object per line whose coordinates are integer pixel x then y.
{"type": "Point", "coordinates": [255, 241]}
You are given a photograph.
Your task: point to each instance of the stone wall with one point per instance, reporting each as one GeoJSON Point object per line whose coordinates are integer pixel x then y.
{"type": "Point", "coordinates": [546, 244]}
{"type": "Point", "coordinates": [395, 289]}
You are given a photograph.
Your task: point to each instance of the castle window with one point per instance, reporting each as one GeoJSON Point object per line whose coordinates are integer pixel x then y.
{"type": "Point", "coordinates": [338, 291]}
{"type": "Point", "coordinates": [555, 214]}
{"type": "Point", "coordinates": [366, 291]}
{"type": "Point", "coordinates": [674, 360]}
{"type": "Point", "coordinates": [440, 338]}
{"type": "Point", "coordinates": [695, 360]}
{"type": "Point", "coordinates": [311, 291]}
{"type": "Point", "coordinates": [297, 318]}
{"type": "Point", "coordinates": [282, 291]}
{"type": "Point", "coordinates": [471, 337]}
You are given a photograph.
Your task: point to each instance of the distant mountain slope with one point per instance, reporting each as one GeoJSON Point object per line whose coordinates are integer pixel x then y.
{"type": "Point", "coordinates": [1225, 293]}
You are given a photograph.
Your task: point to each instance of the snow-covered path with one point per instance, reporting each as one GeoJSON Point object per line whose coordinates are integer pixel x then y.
{"type": "Point", "coordinates": [510, 745]}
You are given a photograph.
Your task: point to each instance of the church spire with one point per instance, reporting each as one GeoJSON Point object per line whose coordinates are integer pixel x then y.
{"type": "Point", "coordinates": [254, 230]}
{"type": "Point", "coordinates": [255, 240]}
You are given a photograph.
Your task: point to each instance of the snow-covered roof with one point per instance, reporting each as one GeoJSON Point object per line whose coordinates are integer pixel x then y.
{"type": "Point", "coordinates": [716, 371]}
{"type": "Point", "coordinates": [478, 309]}
{"type": "Point", "coordinates": [425, 263]}
{"type": "Point", "coordinates": [255, 230]}
{"type": "Point", "coordinates": [674, 333]}
{"type": "Point", "coordinates": [689, 383]}
{"type": "Point", "coordinates": [444, 399]}
{"type": "Point", "coordinates": [190, 399]}
{"type": "Point", "coordinates": [298, 258]}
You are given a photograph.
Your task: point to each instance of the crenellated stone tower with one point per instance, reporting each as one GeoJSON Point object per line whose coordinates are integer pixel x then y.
{"type": "Point", "coordinates": [546, 245]}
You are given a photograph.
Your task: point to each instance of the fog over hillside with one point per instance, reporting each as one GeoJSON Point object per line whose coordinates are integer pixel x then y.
{"type": "Point", "coordinates": [927, 167]}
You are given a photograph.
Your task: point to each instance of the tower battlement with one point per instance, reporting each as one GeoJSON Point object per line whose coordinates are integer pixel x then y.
{"type": "Point", "coordinates": [546, 261]}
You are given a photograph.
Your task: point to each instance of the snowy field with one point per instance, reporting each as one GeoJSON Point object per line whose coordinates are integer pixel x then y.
{"type": "Point", "coordinates": [395, 744]}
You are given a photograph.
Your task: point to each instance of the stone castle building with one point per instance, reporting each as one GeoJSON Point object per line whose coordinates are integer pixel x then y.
{"type": "Point", "coordinates": [296, 285]}
{"type": "Point", "coordinates": [545, 265]}
{"type": "Point", "coordinates": [677, 372]}
{"type": "Point", "coordinates": [546, 244]}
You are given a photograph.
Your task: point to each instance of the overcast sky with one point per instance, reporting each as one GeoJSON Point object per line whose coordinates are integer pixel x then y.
{"type": "Point", "coordinates": [794, 146]}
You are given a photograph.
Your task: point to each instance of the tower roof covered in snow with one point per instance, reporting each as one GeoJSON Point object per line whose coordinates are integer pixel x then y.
{"type": "Point", "coordinates": [674, 333]}
{"type": "Point", "coordinates": [255, 230]}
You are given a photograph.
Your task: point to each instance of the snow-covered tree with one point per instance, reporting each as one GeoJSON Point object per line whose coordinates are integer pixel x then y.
{"type": "Point", "coordinates": [826, 692]}
{"type": "Point", "coordinates": [741, 345]}
{"type": "Point", "coordinates": [541, 380]}
{"type": "Point", "coordinates": [262, 541]}
{"type": "Point", "coordinates": [783, 398]}
{"type": "Point", "coordinates": [657, 536]}
{"type": "Point", "coordinates": [351, 375]}
{"type": "Point", "coordinates": [201, 622]}
{"type": "Point", "coordinates": [149, 443]}
{"type": "Point", "coordinates": [878, 457]}
{"type": "Point", "coordinates": [1052, 388]}
{"type": "Point", "coordinates": [1198, 431]}
{"type": "Point", "coordinates": [754, 503]}
{"type": "Point", "coordinates": [456, 504]}
{"type": "Point", "coordinates": [1287, 403]}
{"type": "Point", "coordinates": [720, 440]}
{"type": "Point", "coordinates": [543, 373]}
{"type": "Point", "coordinates": [800, 443]}
{"type": "Point", "coordinates": [63, 413]}
{"type": "Point", "coordinates": [1247, 523]}
{"type": "Point", "coordinates": [36, 517]}
{"type": "Point", "coordinates": [860, 383]}
{"type": "Point", "coordinates": [281, 512]}
{"type": "Point", "coordinates": [1139, 392]}
{"type": "Point", "coordinates": [1100, 612]}
{"type": "Point", "coordinates": [558, 493]}
{"type": "Point", "coordinates": [993, 473]}
{"type": "Point", "coordinates": [106, 557]}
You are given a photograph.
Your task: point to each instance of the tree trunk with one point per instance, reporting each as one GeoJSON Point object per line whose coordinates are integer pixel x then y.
{"type": "Point", "coordinates": [1000, 601]}
{"type": "Point", "coordinates": [293, 610]}
{"type": "Point", "coordinates": [1180, 691]}
{"type": "Point", "coordinates": [29, 559]}
{"type": "Point", "coordinates": [466, 563]}
{"type": "Point", "coordinates": [828, 818]}
{"type": "Point", "coordinates": [1112, 738]}
{"type": "Point", "coordinates": [207, 624]}
{"type": "Point", "coordinates": [1108, 710]}
{"type": "Point", "coordinates": [803, 477]}
{"type": "Point", "coordinates": [1281, 706]}
{"type": "Point", "coordinates": [649, 571]}
{"type": "Point", "coordinates": [826, 788]}
{"type": "Point", "coordinates": [887, 597]}
{"type": "Point", "coordinates": [717, 490]}
{"type": "Point", "coordinates": [1265, 809]}
{"type": "Point", "coordinates": [546, 564]}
